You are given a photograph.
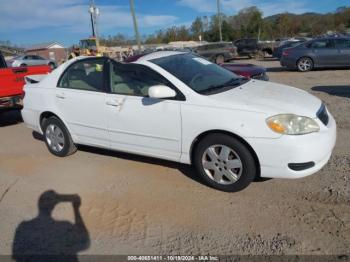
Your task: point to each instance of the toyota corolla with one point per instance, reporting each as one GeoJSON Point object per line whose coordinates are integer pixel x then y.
{"type": "Point", "coordinates": [180, 107]}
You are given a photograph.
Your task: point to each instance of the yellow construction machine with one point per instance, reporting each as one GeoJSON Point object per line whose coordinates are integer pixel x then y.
{"type": "Point", "coordinates": [92, 43]}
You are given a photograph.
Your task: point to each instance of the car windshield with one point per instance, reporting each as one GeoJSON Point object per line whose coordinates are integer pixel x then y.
{"type": "Point", "coordinates": [199, 74]}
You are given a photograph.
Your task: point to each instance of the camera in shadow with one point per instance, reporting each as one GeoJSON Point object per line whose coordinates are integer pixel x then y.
{"type": "Point", "coordinates": [46, 239]}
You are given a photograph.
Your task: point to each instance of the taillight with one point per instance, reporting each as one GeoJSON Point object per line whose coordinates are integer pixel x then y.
{"type": "Point", "coordinates": [285, 53]}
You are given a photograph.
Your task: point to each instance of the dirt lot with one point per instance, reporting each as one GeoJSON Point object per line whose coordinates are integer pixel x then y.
{"type": "Point", "coordinates": [137, 205]}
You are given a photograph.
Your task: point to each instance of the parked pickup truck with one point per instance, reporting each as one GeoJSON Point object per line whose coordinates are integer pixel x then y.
{"type": "Point", "coordinates": [12, 82]}
{"type": "Point", "coordinates": [251, 47]}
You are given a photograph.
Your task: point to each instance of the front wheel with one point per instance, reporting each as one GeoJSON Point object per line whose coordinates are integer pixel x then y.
{"type": "Point", "coordinates": [57, 138]}
{"type": "Point", "coordinates": [224, 163]}
{"type": "Point", "coordinates": [305, 64]}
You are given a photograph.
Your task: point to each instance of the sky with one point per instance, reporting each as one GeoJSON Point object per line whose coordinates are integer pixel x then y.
{"type": "Point", "coordinates": [26, 22]}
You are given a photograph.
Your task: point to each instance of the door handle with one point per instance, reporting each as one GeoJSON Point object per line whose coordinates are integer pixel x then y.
{"type": "Point", "coordinates": [61, 96]}
{"type": "Point", "coordinates": [113, 103]}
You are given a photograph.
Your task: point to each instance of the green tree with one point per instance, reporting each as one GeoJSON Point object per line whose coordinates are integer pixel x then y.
{"type": "Point", "coordinates": [197, 28]}
{"type": "Point", "coordinates": [248, 22]}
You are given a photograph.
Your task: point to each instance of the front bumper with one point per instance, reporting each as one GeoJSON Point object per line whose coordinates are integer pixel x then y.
{"type": "Point", "coordinates": [276, 154]}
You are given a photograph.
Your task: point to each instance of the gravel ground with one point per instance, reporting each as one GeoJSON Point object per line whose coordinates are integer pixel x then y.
{"type": "Point", "coordinates": [137, 205]}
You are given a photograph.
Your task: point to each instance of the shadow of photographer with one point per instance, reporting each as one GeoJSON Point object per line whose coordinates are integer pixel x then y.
{"type": "Point", "coordinates": [46, 239]}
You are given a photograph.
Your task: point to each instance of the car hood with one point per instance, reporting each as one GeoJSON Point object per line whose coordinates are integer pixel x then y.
{"type": "Point", "coordinates": [271, 98]}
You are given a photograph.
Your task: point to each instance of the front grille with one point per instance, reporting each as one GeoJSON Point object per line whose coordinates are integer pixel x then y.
{"type": "Point", "coordinates": [323, 115]}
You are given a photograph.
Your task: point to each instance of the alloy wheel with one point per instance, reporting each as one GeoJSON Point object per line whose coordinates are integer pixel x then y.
{"type": "Point", "coordinates": [222, 164]}
{"type": "Point", "coordinates": [305, 64]}
{"type": "Point", "coordinates": [55, 138]}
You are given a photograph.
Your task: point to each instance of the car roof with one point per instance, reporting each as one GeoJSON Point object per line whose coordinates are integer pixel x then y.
{"type": "Point", "coordinates": [331, 38]}
{"type": "Point", "coordinates": [135, 58]}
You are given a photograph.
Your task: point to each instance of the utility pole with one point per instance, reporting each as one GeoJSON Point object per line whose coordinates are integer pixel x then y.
{"type": "Point", "coordinates": [219, 18]}
{"type": "Point", "coordinates": [94, 12]}
{"type": "Point", "coordinates": [137, 35]}
{"type": "Point", "coordinates": [92, 25]}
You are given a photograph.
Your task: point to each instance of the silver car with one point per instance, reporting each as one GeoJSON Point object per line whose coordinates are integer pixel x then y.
{"type": "Point", "coordinates": [30, 60]}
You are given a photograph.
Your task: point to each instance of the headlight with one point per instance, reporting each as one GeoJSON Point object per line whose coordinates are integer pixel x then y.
{"type": "Point", "coordinates": [289, 124]}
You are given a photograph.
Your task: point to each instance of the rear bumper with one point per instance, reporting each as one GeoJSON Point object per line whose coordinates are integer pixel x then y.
{"type": "Point", "coordinates": [31, 119]}
{"type": "Point", "coordinates": [288, 62]}
{"type": "Point", "coordinates": [11, 102]}
{"type": "Point", "coordinates": [280, 157]}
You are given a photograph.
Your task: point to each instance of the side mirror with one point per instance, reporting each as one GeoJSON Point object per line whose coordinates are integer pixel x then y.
{"type": "Point", "coordinates": [160, 91]}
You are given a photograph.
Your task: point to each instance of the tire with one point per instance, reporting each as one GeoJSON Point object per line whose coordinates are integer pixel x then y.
{"type": "Point", "coordinates": [305, 64]}
{"type": "Point", "coordinates": [57, 137]}
{"type": "Point", "coordinates": [219, 59]}
{"type": "Point", "coordinates": [52, 65]}
{"type": "Point", "coordinates": [260, 55]}
{"type": "Point", "coordinates": [23, 65]}
{"type": "Point", "coordinates": [216, 171]}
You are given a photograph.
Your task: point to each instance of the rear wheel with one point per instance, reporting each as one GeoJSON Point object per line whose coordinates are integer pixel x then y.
{"type": "Point", "coordinates": [57, 137]}
{"type": "Point", "coordinates": [305, 64]}
{"type": "Point", "coordinates": [224, 163]}
{"type": "Point", "coordinates": [260, 55]}
{"type": "Point", "coordinates": [23, 65]}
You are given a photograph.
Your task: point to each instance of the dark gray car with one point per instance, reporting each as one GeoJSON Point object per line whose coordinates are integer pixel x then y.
{"type": "Point", "coordinates": [277, 52]}
{"type": "Point", "coordinates": [318, 53]}
{"type": "Point", "coordinates": [217, 52]}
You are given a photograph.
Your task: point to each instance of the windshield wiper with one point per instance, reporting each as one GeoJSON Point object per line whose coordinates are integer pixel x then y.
{"type": "Point", "coordinates": [234, 82]}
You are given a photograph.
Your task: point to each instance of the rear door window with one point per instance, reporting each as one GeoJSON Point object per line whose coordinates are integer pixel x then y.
{"type": "Point", "coordinates": [342, 43]}
{"type": "Point", "coordinates": [84, 75]}
{"type": "Point", "coordinates": [321, 44]}
{"type": "Point", "coordinates": [36, 57]}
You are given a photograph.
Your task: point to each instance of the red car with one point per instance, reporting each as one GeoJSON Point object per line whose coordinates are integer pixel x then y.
{"type": "Point", "coordinates": [12, 82]}
{"type": "Point", "coordinates": [246, 70]}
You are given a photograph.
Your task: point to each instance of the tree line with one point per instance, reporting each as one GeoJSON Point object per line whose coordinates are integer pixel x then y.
{"type": "Point", "coordinates": [247, 23]}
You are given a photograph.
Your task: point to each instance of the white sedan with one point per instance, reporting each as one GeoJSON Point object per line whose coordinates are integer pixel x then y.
{"type": "Point", "coordinates": [180, 107]}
